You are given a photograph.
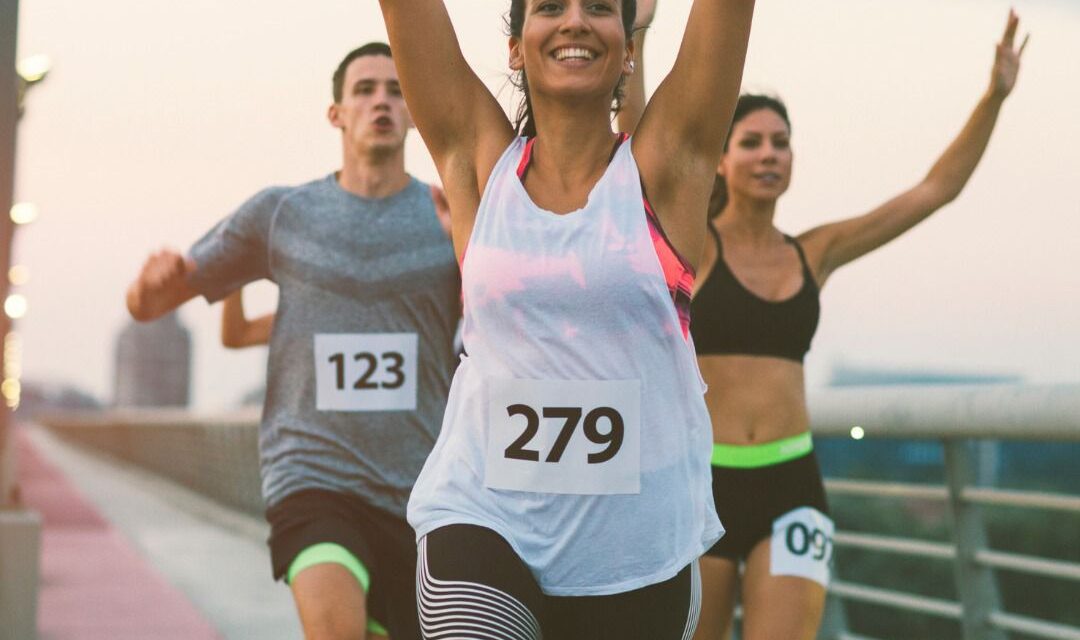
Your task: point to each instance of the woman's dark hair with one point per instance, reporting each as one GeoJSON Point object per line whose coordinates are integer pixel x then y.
{"type": "Point", "coordinates": [515, 21]}
{"type": "Point", "coordinates": [748, 103]}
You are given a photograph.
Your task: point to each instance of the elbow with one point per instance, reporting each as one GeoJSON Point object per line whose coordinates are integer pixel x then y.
{"type": "Point", "coordinates": [231, 340]}
{"type": "Point", "coordinates": [948, 194]}
{"type": "Point", "coordinates": [938, 193]}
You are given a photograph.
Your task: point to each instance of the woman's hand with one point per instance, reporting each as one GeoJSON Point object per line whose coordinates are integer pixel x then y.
{"type": "Point", "coordinates": [1007, 59]}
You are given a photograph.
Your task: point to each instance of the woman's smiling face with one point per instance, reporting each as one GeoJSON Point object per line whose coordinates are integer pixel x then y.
{"type": "Point", "coordinates": [757, 164]}
{"type": "Point", "coordinates": [572, 48]}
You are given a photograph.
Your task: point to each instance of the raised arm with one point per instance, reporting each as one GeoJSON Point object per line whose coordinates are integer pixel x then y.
{"type": "Point", "coordinates": [237, 331]}
{"type": "Point", "coordinates": [442, 209]}
{"type": "Point", "coordinates": [633, 104]}
{"type": "Point", "coordinates": [681, 135]}
{"type": "Point", "coordinates": [161, 286]}
{"type": "Point", "coordinates": [833, 245]}
{"type": "Point", "coordinates": [453, 110]}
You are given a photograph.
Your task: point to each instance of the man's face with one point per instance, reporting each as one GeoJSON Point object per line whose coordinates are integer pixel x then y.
{"type": "Point", "coordinates": [372, 114]}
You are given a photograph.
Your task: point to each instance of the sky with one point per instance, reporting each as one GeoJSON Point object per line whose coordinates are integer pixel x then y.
{"type": "Point", "coordinates": [160, 118]}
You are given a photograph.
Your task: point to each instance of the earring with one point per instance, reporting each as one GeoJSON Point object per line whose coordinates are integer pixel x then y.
{"type": "Point", "coordinates": [631, 66]}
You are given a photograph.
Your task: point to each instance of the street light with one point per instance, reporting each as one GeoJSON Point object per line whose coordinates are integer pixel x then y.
{"type": "Point", "coordinates": [34, 68]}
{"type": "Point", "coordinates": [30, 70]}
{"type": "Point", "coordinates": [20, 530]}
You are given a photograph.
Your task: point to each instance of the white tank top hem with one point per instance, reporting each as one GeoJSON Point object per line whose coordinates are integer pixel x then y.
{"type": "Point", "coordinates": [566, 302]}
{"type": "Point", "coordinates": [666, 573]}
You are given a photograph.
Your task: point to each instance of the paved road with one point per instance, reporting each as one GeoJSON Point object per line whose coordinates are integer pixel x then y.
{"type": "Point", "coordinates": [187, 566]}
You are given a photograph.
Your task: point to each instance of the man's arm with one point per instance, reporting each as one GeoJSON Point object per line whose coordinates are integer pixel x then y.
{"type": "Point", "coordinates": [161, 286]}
{"type": "Point", "coordinates": [237, 331]}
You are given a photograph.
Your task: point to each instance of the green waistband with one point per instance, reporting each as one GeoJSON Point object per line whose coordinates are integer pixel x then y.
{"type": "Point", "coordinates": [751, 456]}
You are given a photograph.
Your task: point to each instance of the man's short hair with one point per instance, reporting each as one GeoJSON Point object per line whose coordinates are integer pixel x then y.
{"type": "Point", "coordinates": [369, 49]}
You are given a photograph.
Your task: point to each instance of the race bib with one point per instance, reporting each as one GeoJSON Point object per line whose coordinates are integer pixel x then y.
{"type": "Point", "coordinates": [564, 436]}
{"type": "Point", "coordinates": [802, 545]}
{"type": "Point", "coordinates": [365, 371]}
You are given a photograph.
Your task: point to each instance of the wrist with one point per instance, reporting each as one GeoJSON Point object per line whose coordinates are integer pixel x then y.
{"type": "Point", "coordinates": [995, 96]}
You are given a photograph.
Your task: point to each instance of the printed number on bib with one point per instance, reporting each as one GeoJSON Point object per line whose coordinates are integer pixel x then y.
{"type": "Point", "coordinates": [365, 371]}
{"type": "Point", "coordinates": [802, 545]}
{"type": "Point", "coordinates": [558, 436]}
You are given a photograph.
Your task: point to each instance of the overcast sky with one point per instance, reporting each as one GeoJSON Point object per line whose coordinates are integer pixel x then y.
{"type": "Point", "coordinates": [159, 118]}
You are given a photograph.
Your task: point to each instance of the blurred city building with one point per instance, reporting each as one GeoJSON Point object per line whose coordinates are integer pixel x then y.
{"type": "Point", "coordinates": [153, 364]}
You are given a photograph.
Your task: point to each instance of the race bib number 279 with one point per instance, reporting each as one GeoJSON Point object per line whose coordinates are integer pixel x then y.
{"type": "Point", "coordinates": [561, 436]}
{"type": "Point", "coordinates": [365, 371]}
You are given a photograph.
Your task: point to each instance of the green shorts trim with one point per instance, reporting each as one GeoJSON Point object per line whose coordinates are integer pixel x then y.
{"type": "Point", "coordinates": [752, 456]}
{"type": "Point", "coordinates": [376, 628]}
{"type": "Point", "coordinates": [328, 552]}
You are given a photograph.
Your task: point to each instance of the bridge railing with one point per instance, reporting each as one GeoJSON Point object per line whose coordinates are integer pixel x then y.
{"type": "Point", "coordinates": [216, 455]}
{"type": "Point", "coordinates": [958, 418]}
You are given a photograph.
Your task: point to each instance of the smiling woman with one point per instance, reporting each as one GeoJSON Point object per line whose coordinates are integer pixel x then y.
{"type": "Point", "coordinates": [567, 495]}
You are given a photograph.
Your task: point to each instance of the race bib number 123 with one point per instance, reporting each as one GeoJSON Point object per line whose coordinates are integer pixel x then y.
{"type": "Point", "coordinates": [365, 371]}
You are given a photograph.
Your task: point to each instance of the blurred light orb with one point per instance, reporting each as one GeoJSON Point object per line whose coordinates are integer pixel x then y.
{"type": "Point", "coordinates": [24, 212]}
{"type": "Point", "coordinates": [19, 274]}
{"type": "Point", "coordinates": [11, 389]}
{"type": "Point", "coordinates": [858, 433]}
{"type": "Point", "coordinates": [34, 68]}
{"type": "Point", "coordinates": [16, 306]}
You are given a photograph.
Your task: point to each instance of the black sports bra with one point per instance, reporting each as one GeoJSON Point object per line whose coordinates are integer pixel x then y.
{"type": "Point", "coordinates": [729, 319]}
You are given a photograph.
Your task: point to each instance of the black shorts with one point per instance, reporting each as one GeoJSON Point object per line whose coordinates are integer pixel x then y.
{"type": "Point", "coordinates": [471, 584]}
{"type": "Point", "coordinates": [749, 501]}
{"type": "Point", "coordinates": [383, 542]}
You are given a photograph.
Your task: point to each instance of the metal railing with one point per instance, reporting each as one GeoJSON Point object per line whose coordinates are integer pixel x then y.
{"type": "Point", "coordinates": [216, 456]}
{"type": "Point", "coordinates": [956, 417]}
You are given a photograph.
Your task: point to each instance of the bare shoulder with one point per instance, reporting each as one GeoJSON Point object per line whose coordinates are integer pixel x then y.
{"type": "Point", "coordinates": [815, 243]}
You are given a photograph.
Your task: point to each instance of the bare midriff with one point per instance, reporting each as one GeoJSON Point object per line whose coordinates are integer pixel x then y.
{"type": "Point", "coordinates": [754, 399]}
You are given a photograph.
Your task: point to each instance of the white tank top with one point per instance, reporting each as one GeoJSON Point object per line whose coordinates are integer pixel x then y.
{"type": "Point", "coordinates": [576, 427]}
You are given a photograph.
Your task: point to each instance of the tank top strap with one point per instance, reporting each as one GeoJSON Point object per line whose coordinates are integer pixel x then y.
{"type": "Point", "coordinates": [716, 240]}
{"type": "Point", "coordinates": [802, 258]}
{"type": "Point", "coordinates": [526, 159]}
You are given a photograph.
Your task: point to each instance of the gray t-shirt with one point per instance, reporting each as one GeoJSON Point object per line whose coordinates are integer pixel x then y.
{"type": "Point", "coordinates": [361, 354]}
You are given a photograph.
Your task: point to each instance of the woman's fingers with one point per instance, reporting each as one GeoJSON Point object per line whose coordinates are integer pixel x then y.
{"type": "Point", "coordinates": [1010, 30]}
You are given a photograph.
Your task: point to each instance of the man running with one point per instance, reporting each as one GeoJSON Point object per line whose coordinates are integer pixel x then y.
{"type": "Point", "coordinates": [360, 356]}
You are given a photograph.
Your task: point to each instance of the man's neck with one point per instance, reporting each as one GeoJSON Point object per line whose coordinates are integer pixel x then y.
{"type": "Point", "coordinates": [373, 177]}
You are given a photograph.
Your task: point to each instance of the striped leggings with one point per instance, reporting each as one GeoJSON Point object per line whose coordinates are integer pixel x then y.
{"type": "Point", "coordinates": [470, 585]}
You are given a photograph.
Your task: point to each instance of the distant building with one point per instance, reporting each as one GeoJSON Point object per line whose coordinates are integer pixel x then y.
{"type": "Point", "coordinates": [37, 397]}
{"type": "Point", "coordinates": [153, 364]}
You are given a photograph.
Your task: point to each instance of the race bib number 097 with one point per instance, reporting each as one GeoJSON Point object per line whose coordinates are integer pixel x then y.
{"type": "Point", "coordinates": [365, 371]}
{"type": "Point", "coordinates": [802, 545]}
{"type": "Point", "coordinates": [559, 436]}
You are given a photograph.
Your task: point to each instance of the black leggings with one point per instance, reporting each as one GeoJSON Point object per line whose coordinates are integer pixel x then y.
{"type": "Point", "coordinates": [472, 586]}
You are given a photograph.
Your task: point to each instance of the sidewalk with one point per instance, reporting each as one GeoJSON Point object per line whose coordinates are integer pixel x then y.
{"type": "Point", "coordinates": [126, 555]}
